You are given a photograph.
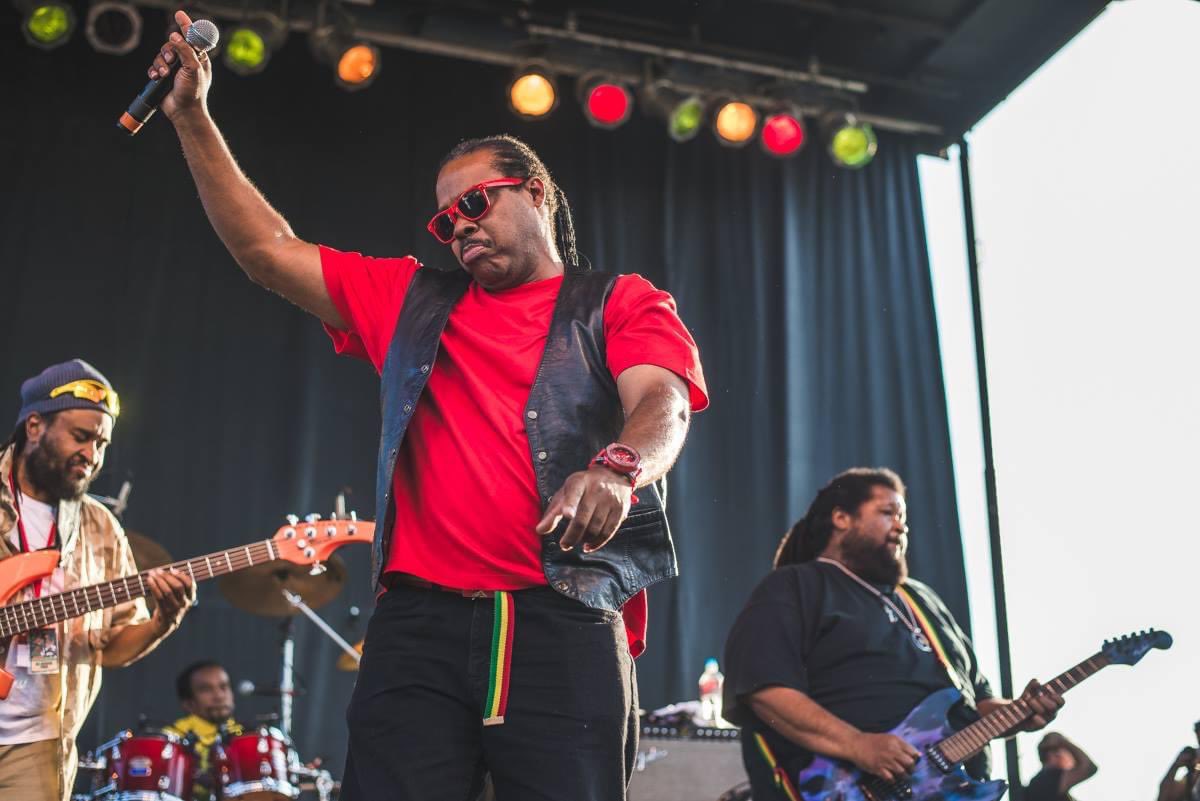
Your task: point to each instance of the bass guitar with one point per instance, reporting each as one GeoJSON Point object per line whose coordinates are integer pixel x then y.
{"type": "Point", "coordinates": [308, 542]}
{"type": "Point", "coordinates": [939, 775]}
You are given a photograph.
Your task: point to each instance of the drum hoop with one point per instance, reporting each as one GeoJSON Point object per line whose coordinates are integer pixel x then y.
{"type": "Point", "coordinates": [267, 785]}
{"type": "Point", "coordinates": [139, 795]}
{"type": "Point", "coordinates": [157, 734]}
{"type": "Point", "coordinates": [272, 732]}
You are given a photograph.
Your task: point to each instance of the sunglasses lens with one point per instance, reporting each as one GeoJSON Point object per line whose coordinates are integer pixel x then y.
{"type": "Point", "coordinates": [473, 204]}
{"type": "Point", "coordinates": [443, 227]}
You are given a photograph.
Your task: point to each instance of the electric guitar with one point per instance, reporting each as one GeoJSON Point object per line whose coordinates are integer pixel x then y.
{"type": "Point", "coordinates": [939, 775]}
{"type": "Point", "coordinates": [310, 542]}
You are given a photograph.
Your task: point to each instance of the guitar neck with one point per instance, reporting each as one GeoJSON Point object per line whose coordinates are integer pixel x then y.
{"type": "Point", "coordinates": [40, 612]}
{"type": "Point", "coordinates": [964, 744]}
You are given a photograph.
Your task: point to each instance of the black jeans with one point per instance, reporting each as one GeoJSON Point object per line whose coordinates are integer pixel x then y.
{"type": "Point", "coordinates": [416, 717]}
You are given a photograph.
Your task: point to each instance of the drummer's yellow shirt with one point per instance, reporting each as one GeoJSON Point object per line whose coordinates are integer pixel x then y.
{"type": "Point", "coordinates": [204, 733]}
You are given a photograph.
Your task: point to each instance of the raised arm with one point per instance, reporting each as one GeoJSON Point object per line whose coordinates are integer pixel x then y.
{"type": "Point", "coordinates": [1083, 769]}
{"type": "Point", "coordinates": [805, 722]}
{"type": "Point", "coordinates": [256, 235]}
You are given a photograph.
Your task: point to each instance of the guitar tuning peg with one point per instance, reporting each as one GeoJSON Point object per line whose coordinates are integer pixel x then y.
{"type": "Point", "coordinates": [354, 515]}
{"type": "Point", "coordinates": [330, 531]}
{"type": "Point", "coordinates": [311, 517]}
{"type": "Point", "coordinates": [292, 519]}
{"type": "Point", "coordinates": [317, 569]}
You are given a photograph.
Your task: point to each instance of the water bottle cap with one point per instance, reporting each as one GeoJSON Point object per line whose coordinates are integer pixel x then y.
{"type": "Point", "coordinates": [711, 664]}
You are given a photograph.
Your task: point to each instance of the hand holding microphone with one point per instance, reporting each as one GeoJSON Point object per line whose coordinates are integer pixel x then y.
{"type": "Point", "coordinates": [179, 77]}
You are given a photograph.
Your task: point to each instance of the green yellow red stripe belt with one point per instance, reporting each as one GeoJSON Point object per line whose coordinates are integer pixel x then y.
{"type": "Point", "coordinates": [500, 665]}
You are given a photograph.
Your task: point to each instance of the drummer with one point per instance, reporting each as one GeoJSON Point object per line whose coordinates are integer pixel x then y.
{"type": "Point", "coordinates": [207, 696]}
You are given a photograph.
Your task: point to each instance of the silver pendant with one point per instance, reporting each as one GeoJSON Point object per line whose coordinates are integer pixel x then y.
{"type": "Point", "coordinates": [921, 642]}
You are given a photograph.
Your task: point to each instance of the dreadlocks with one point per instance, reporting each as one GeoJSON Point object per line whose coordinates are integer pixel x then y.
{"type": "Point", "coordinates": [512, 157]}
{"type": "Point", "coordinates": [846, 491]}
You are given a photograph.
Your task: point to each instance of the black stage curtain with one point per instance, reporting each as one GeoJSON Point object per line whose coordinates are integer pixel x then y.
{"type": "Point", "coordinates": [807, 288]}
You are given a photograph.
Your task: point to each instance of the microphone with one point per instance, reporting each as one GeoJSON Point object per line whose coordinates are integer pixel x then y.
{"type": "Point", "coordinates": [247, 687]}
{"type": "Point", "coordinates": [202, 36]}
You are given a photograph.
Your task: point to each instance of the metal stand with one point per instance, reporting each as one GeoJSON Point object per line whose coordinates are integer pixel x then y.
{"type": "Point", "coordinates": [287, 686]}
{"type": "Point", "coordinates": [1016, 789]}
{"type": "Point", "coordinates": [296, 601]}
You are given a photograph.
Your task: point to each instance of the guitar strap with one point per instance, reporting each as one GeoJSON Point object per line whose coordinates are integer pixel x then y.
{"type": "Point", "coordinates": [931, 635]}
{"type": "Point", "coordinates": [782, 780]}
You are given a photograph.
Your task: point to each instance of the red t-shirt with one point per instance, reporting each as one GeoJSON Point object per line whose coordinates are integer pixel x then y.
{"type": "Point", "coordinates": [465, 492]}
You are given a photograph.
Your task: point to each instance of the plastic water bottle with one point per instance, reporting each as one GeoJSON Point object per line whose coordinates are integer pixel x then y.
{"type": "Point", "coordinates": [711, 682]}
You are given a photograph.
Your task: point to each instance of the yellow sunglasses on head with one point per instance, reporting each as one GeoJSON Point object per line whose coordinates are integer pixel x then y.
{"type": "Point", "coordinates": [87, 389]}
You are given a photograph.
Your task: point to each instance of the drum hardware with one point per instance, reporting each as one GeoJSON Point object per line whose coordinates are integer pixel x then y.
{"type": "Point", "coordinates": [352, 652]}
{"type": "Point", "coordinates": [261, 765]}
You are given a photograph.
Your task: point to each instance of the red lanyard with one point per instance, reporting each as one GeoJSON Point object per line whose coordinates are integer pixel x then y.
{"type": "Point", "coordinates": [52, 540]}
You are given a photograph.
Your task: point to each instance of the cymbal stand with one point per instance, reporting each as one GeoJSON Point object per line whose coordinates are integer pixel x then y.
{"type": "Point", "coordinates": [287, 684]}
{"type": "Point", "coordinates": [296, 601]}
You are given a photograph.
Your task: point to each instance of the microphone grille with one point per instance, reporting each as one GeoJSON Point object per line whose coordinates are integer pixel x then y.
{"type": "Point", "coordinates": [245, 686]}
{"type": "Point", "coordinates": [203, 35]}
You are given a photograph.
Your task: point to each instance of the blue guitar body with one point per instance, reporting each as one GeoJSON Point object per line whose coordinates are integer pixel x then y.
{"type": "Point", "coordinates": [834, 780]}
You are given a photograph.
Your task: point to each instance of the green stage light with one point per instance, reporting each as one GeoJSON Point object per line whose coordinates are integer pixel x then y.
{"type": "Point", "coordinates": [246, 51]}
{"type": "Point", "coordinates": [852, 144]}
{"type": "Point", "coordinates": [250, 42]}
{"type": "Point", "coordinates": [686, 119]}
{"type": "Point", "coordinates": [48, 25]}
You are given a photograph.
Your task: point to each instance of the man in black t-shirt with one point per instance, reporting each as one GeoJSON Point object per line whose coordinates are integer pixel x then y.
{"type": "Point", "coordinates": [1064, 765]}
{"type": "Point", "coordinates": [837, 645]}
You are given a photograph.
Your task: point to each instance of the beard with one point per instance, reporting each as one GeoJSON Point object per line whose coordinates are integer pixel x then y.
{"type": "Point", "coordinates": [50, 472]}
{"type": "Point", "coordinates": [875, 563]}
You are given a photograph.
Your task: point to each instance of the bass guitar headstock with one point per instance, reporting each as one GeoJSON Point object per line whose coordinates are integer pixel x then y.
{"type": "Point", "coordinates": [313, 540]}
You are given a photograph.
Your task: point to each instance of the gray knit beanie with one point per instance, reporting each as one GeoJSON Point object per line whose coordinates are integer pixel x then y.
{"type": "Point", "coordinates": [51, 390]}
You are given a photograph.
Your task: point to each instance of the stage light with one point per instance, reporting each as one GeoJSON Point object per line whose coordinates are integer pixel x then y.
{"type": "Point", "coordinates": [245, 51]}
{"type": "Point", "coordinates": [48, 24]}
{"type": "Point", "coordinates": [783, 134]}
{"type": "Point", "coordinates": [250, 43]}
{"type": "Point", "coordinates": [112, 27]}
{"type": "Point", "coordinates": [356, 63]}
{"type": "Point", "coordinates": [532, 93]}
{"type": "Point", "coordinates": [606, 103]}
{"type": "Point", "coordinates": [852, 144]}
{"type": "Point", "coordinates": [686, 119]}
{"type": "Point", "coordinates": [735, 124]}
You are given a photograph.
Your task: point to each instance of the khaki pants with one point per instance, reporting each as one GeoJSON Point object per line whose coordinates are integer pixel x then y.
{"type": "Point", "coordinates": [29, 771]}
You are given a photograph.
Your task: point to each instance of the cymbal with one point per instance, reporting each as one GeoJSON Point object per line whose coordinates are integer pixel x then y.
{"type": "Point", "coordinates": [146, 552]}
{"type": "Point", "coordinates": [259, 589]}
{"type": "Point", "coordinates": [344, 661]}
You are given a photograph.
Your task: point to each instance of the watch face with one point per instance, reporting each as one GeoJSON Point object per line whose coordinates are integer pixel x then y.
{"type": "Point", "coordinates": [622, 456]}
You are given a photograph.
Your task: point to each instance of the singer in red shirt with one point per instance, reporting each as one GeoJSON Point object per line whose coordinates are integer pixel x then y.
{"type": "Point", "coordinates": [508, 553]}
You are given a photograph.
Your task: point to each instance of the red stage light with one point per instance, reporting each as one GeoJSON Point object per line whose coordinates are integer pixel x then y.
{"type": "Point", "coordinates": [783, 134]}
{"type": "Point", "coordinates": [608, 104]}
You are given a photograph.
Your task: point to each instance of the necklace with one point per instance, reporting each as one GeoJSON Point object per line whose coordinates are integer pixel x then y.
{"type": "Point", "coordinates": [891, 609]}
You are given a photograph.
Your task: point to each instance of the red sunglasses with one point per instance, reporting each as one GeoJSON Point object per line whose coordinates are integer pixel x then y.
{"type": "Point", "coordinates": [471, 205]}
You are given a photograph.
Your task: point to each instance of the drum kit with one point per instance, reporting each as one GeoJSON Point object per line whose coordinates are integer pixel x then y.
{"type": "Point", "coordinates": [261, 764]}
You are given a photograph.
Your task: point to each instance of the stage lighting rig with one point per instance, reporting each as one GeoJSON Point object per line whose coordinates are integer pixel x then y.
{"type": "Point", "coordinates": [783, 133]}
{"type": "Point", "coordinates": [735, 123]}
{"type": "Point", "coordinates": [607, 103]}
{"type": "Point", "coordinates": [533, 93]}
{"type": "Point", "coordinates": [250, 43]}
{"type": "Point", "coordinates": [113, 27]}
{"type": "Point", "coordinates": [852, 144]}
{"type": "Point", "coordinates": [46, 23]}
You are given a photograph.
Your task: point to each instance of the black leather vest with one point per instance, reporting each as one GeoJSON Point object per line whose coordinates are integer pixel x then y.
{"type": "Point", "coordinates": [573, 412]}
